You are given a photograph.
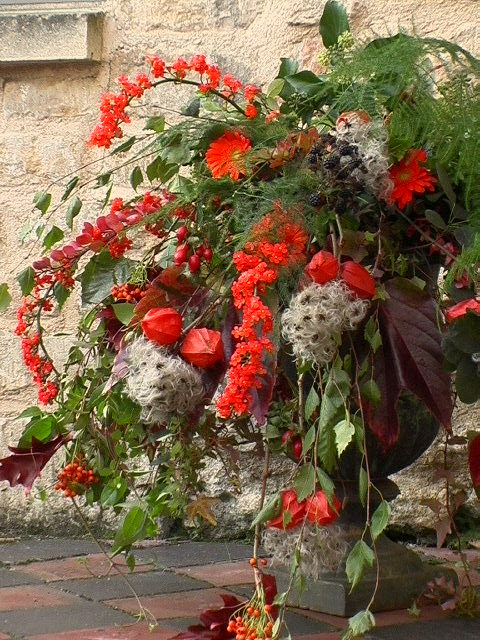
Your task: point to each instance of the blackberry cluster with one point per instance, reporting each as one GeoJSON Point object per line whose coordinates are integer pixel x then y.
{"type": "Point", "coordinates": [340, 164]}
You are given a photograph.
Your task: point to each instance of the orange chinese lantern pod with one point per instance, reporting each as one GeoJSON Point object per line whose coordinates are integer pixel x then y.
{"type": "Point", "coordinates": [323, 267]}
{"type": "Point", "coordinates": [162, 325]}
{"type": "Point", "coordinates": [319, 511]}
{"type": "Point", "coordinates": [295, 509]}
{"type": "Point", "coordinates": [460, 309]}
{"type": "Point", "coordinates": [202, 347]}
{"type": "Point", "coordinates": [358, 279]}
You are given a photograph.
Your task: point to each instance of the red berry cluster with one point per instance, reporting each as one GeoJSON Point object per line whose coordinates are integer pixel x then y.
{"type": "Point", "coordinates": [74, 479]}
{"type": "Point", "coordinates": [187, 253]}
{"type": "Point", "coordinates": [127, 292]}
{"type": "Point", "coordinates": [255, 623]}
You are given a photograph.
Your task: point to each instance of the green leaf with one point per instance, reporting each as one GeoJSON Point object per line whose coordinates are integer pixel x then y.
{"type": "Point", "coordinates": [359, 624]}
{"type": "Point", "coordinates": [192, 109]}
{"type": "Point", "coordinates": [275, 87]}
{"type": "Point", "coordinates": [100, 274]}
{"type": "Point", "coordinates": [73, 210]}
{"type": "Point", "coordinates": [359, 559]}
{"type": "Point", "coordinates": [103, 179]}
{"type": "Point", "coordinates": [305, 82]}
{"type": "Point", "coordinates": [435, 219]}
{"type": "Point", "coordinates": [363, 486]}
{"type": "Point", "coordinates": [131, 530]}
{"type": "Point", "coordinates": [61, 293]}
{"type": "Point", "coordinates": [309, 439]}
{"type": "Point", "coordinates": [333, 23]}
{"type": "Point", "coordinates": [71, 184]}
{"type": "Point", "coordinates": [288, 66]}
{"type": "Point", "coordinates": [304, 482]}
{"type": "Point", "coordinates": [26, 280]}
{"type": "Point", "coordinates": [161, 170]}
{"type": "Point", "coordinates": [270, 510]}
{"type": "Point", "coordinates": [344, 432]}
{"type": "Point", "coordinates": [311, 403]}
{"type": "Point", "coordinates": [113, 492]}
{"type": "Point", "coordinates": [372, 334]}
{"type": "Point", "coordinates": [39, 428]}
{"type": "Point", "coordinates": [30, 412]}
{"type": "Point", "coordinates": [326, 447]}
{"type": "Point", "coordinates": [380, 519]}
{"type": "Point", "coordinates": [155, 123]}
{"type": "Point", "coordinates": [371, 392]}
{"type": "Point", "coordinates": [124, 312]}
{"type": "Point", "coordinates": [130, 560]}
{"type": "Point", "coordinates": [53, 236]}
{"type": "Point", "coordinates": [136, 177]}
{"type": "Point", "coordinates": [326, 484]}
{"type": "Point", "coordinates": [467, 380]}
{"type": "Point", "coordinates": [125, 146]}
{"type": "Point", "coordinates": [446, 184]}
{"type": "Point", "coordinates": [42, 201]}
{"type": "Point", "coordinates": [5, 297]}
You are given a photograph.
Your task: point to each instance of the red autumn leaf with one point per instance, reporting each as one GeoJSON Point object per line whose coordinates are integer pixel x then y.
{"type": "Point", "coordinates": [215, 622]}
{"type": "Point", "coordinates": [113, 327]}
{"type": "Point", "coordinates": [474, 462]}
{"type": "Point", "coordinates": [410, 359]}
{"type": "Point", "coordinates": [153, 298]}
{"type": "Point", "coordinates": [25, 465]}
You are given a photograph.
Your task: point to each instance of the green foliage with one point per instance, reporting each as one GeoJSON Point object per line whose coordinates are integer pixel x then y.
{"type": "Point", "coordinates": [360, 558]}
{"type": "Point", "coordinates": [333, 23]}
{"type": "Point", "coordinates": [26, 280]}
{"type": "Point", "coordinates": [5, 297]}
{"type": "Point", "coordinates": [100, 274]}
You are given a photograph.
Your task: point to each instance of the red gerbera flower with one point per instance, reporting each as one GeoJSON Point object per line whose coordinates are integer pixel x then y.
{"type": "Point", "coordinates": [226, 155]}
{"type": "Point", "coordinates": [409, 177]}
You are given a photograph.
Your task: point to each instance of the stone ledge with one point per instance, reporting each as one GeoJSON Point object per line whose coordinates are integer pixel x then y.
{"type": "Point", "coordinates": [51, 37]}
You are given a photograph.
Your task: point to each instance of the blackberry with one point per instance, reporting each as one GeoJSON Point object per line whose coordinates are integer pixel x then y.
{"type": "Point", "coordinates": [348, 150]}
{"type": "Point", "coordinates": [316, 200]}
{"type": "Point", "coordinates": [331, 162]}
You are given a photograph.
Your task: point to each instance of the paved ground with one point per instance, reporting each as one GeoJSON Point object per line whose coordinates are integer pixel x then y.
{"type": "Point", "coordinates": [65, 590]}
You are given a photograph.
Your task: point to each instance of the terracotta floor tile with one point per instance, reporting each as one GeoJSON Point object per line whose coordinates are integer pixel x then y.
{"type": "Point", "coordinates": [173, 605]}
{"type": "Point", "coordinates": [4, 637]}
{"type": "Point", "coordinates": [32, 597]}
{"type": "Point", "coordinates": [329, 635]}
{"type": "Point", "coordinates": [130, 632]}
{"type": "Point", "coordinates": [95, 565]}
{"type": "Point", "coordinates": [223, 574]}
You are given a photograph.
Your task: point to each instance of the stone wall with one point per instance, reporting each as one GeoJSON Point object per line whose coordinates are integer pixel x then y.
{"type": "Point", "coordinates": [47, 110]}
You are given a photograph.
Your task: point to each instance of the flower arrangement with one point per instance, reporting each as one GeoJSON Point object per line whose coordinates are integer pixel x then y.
{"type": "Point", "coordinates": [303, 257]}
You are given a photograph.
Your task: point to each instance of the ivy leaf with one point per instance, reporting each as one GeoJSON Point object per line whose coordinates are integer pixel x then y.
{"type": "Point", "coordinates": [73, 211]}
{"type": "Point", "coordinates": [156, 123]}
{"type": "Point", "coordinates": [311, 403]}
{"type": "Point", "coordinates": [53, 236]}
{"type": "Point", "coordinates": [304, 482]}
{"type": "Point", "coordinates": [333, 23]}
{"type": "Point", "coordinates": [410, 359]}
{"type": "Point", "coordinates": [270, 510]}
{"type": "Point", "coordinates": [359, 559]}
{"type": "Point", "coordinates": [125, 146]}
{"type": "Point", "coordinates": [42, 201]}
{"type": "Point", "coordinates": [132, 529]}
{"type": "Point", "coordinates": [100, 274]}
{"type": "Point", "coordinates": [5, 297]}
{"type": "Point", "coordinates": [344, 432]}
{"type": "Point", "coordinates": [136, 178]}
{"type": "Point", "coordinates": [26, 280]}
{"type": "Point", "coordinates": [380, 519]}
{"type": "Point", "coordinates": [202, 508]}
{"type": "Point", "coordinates": [71, 184]}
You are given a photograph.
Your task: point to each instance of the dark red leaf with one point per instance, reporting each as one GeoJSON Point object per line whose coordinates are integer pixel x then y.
{"type": "Point", "coordinates": [215, 622]}
{"type": "Point", "coordinates": [410, 359]}
{"type": "Point", "coordinates": [474, 462]}
{"type": "Point", "coordinates": [25, 465]}
{"type": "Point", "coordinates": [113, 327]}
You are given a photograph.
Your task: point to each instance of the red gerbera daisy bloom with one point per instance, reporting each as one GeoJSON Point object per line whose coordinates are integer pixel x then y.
{"type": "Point", "coordinates": [226, 155]}
{"type": "Point", "coordinates": [409, 177]}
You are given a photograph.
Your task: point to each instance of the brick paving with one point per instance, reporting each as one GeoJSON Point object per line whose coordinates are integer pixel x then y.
{"type": "Point", "coordinates": [66, 590]}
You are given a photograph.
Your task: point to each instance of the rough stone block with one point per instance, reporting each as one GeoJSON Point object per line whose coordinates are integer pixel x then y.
{"type": "Point", "coordinates": [50, 37]}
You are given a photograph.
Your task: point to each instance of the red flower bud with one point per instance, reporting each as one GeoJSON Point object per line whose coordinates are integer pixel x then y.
{"type": "Point", "coordinates": [291, 505]}
{"type": "Point", "coordinates": [358, 279]}
{"type": "Point", "coordinates": [319, 511]}
{"type": "Point", "coordinates": [460, 309]}
{"type": "Point", "coordinates": [202, 347]}
{"type": "Point", "coordinates": [162, 325]}
{"type": "Point", "coordinates": [323, 267]}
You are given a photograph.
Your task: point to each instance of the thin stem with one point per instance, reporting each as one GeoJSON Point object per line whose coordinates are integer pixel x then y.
{"type": "Point", "coordinates": [256, 542]}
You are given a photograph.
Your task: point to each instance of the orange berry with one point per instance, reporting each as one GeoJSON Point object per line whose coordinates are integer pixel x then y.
{"type": "Point", "coordinates": [256, 613]}
{"type": "Point", "coordinates": [264, 562]}
{"type": "Point", "coordinates": [253, 562]}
